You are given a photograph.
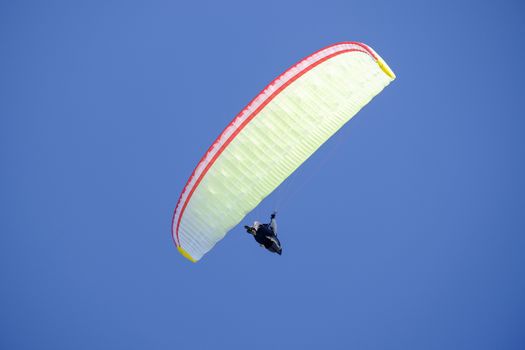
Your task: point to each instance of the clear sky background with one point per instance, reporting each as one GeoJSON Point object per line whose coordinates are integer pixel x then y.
{"type": "Point", "coordinates": [406, 231]}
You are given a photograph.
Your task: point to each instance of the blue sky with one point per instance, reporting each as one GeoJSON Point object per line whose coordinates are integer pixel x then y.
{"type": "Point", "coordinates": [405, 231]}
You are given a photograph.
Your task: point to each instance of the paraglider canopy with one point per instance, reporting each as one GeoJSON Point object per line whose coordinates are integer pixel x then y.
{"type": "Point", "coordinates": [271, 137]}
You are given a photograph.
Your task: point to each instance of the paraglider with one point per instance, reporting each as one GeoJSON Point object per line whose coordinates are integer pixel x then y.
{"type": "Point", "coordinates": [266, 235]}
{"type": "Point", "coordinates": [271, 137]}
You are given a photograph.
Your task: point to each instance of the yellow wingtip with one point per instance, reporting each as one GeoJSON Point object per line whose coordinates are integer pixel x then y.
{"type": "Point", "coordinates": [382, 64]}
{"type": "Point", "coordinates": [185, 254]}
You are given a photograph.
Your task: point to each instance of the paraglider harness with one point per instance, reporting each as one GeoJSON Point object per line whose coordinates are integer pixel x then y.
{"type": "Point", "coordinates": [266, 236]}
